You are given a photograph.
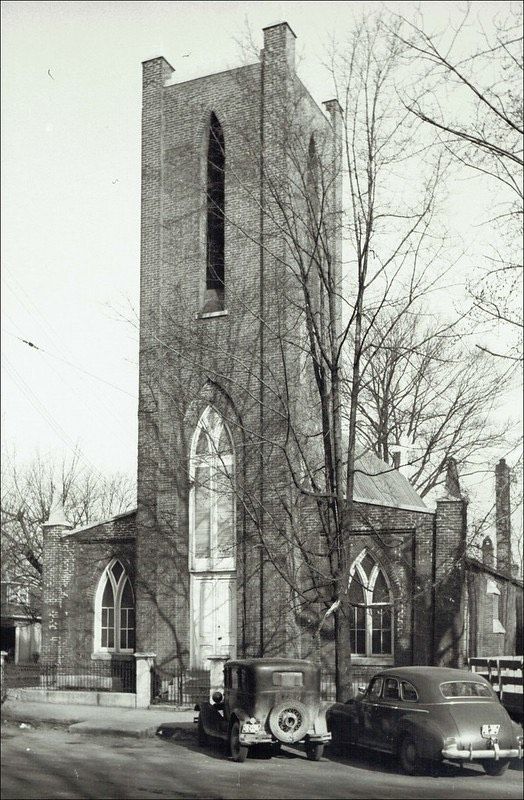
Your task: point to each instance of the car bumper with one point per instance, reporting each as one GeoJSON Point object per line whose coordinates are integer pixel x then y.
{"type": "Point", "coordinates": [319, 738]}
{"type": "Point", "coordinates": [265, 738]}
{"type": "Point", "coordinates": [495, 753]}
{"type": "Point", "coordinates": [260, 737]}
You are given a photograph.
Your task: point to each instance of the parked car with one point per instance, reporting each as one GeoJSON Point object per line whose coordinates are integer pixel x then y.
{"type": "Point", "coordinates": [266, 701]}
{"type": "Point", "coordinates": [429, 714]}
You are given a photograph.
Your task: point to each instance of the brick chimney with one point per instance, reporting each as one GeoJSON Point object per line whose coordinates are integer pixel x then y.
{"type": "Point", "coordinates": [503, 517]}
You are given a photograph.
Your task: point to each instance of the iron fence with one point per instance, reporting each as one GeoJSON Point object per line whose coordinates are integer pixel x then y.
{"type": "Point", "coordinates": [360, 676]}
{"type": "Point", "coordinates": [179, 686]}
{"type": "Point", "coordinates": [90, 676]}
{"type": "Point", "coordinates": [18, 676]}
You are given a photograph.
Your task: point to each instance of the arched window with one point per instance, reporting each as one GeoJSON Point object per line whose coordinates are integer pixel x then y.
{"type": "Point", "coordinates": [216, 160]}
{"type": "Point", "coordinates": [212, 501]}
{"type": "Point", "coordinates": [371, 621]}
{"type": "Point", "coordinates": [313, 185]}
{"type": "Point", "coordinates": [488, 557]}
{"type": "Point", "coordinates": [114, 611]}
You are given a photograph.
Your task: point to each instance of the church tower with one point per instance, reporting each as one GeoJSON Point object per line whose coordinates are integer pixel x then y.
{"type": "Point", "coordinates": [220, 327]}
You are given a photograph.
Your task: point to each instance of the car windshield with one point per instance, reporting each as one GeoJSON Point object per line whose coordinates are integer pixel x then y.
{"type": "Point", "coordinates": [464, 689]}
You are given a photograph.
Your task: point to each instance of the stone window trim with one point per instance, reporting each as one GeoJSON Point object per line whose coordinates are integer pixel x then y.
{"type": "Point", "coordinates": [101, 652]}
{"type": "Point", "coordinates": [367, 583]}
{"type": "Point", "coordinates": [212, 314]}
{"type": "Point", "coordinates": [218, 463]}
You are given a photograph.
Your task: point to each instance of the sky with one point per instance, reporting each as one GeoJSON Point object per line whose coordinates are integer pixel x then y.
{"type": "Point", "coordinates": [71, 88]}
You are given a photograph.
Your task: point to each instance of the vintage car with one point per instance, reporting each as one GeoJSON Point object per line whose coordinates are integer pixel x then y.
{"type": "Point", "coordinates": [266, 701]}
{"type": "Point", "coordinates": [429, 714]}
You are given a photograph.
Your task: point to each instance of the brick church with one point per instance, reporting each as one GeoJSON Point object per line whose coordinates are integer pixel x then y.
{"type": "Point", "coordinates": [216, 560]}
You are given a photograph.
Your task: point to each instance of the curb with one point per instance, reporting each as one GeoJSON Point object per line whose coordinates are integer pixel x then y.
{"type": "Point", "coordinates": [99, 729]}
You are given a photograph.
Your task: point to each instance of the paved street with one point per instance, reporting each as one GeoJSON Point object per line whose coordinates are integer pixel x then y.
{"type": "Point", "coordinates": [52, 763]}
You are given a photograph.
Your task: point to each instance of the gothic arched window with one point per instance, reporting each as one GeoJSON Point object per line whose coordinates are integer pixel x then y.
{"type": "Point", "coordinates": [212, 501]}
{"type": "Point", "coordinates": [488, 557]}
{"type": "Point", "coordinates": [115, 611]}
{"type": "Point", "coordinates": [371, 615]}
{"type": "Point", "coordinates": [215, 194]}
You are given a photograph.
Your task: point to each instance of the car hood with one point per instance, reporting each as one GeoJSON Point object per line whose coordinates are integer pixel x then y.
{"type": "Point", "coordinates": [470, 715]}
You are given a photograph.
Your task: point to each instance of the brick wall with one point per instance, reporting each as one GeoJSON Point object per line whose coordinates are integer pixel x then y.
{"type": "Point", "coordinates": [72, 568]}
{"type": "Point", "coordinates": [234, 360]}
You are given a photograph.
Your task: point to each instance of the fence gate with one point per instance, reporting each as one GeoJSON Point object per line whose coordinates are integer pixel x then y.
{"type": "Point", "coordinates": [180, 687]}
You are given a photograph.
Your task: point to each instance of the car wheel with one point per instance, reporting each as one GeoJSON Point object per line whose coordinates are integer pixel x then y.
{"type": "Point", "coordinates": [201, 734]}
{"type": "Point", "coordinates": [408, 756]}
{"type": "Point", "coordinates": [495, 768]}
{"type": "Point", "coordinates": [238, 751]}
{"type": "Point", "coordinates": [314, 751]}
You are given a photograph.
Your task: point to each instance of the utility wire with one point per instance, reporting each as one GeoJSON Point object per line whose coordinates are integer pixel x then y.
{"type": "Point", "coordinates": [69, 363]}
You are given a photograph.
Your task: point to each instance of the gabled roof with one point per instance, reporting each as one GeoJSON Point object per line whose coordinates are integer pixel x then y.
{"type": "Point", "coordinates": [380, 484]}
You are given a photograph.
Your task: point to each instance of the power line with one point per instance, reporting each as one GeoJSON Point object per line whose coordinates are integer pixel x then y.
{"type": "Point", "coordinates": [69, 363]}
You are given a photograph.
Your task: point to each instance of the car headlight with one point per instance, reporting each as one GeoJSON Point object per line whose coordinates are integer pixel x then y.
{"type": "Point", "coordinates": [451, 741]}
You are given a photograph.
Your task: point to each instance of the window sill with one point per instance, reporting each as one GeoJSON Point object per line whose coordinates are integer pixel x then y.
{"type": "Point", "coordinates": [211, 314]}
{"type": "Point", "coordinates": [372, 661]}
{"type": "Point", "coordinates": [105, 655]}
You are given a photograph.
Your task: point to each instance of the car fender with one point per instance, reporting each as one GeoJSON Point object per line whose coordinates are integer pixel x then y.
{"type": "Point", "coordinates": [426, 732]}
{"type": "Point", "coordinates": [212, 720]}
{"type": "Point", "coordinates": [320, 720]}
{"type": "Point", "coordinates": [239, 714]}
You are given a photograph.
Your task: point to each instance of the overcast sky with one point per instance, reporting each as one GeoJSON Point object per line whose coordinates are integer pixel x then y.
{"type": "Point", "coordinates": [71, 87]}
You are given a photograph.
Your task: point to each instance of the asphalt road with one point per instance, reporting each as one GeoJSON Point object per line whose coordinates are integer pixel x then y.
{"type": "Point", "coordinates": [52, 763]}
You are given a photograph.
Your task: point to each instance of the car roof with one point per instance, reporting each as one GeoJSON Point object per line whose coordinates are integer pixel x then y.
{"type": "Point", "coordinates": [427, 679]}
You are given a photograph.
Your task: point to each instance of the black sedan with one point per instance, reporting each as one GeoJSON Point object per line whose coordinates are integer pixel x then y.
{"type": "Point", "coordinates": [429, 714]}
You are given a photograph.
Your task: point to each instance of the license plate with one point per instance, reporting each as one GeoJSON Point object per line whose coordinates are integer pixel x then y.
{"type": "Point", "coordinates": [487, 731]}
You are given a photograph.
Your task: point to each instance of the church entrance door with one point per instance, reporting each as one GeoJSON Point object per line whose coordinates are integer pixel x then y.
{"type": "Point", "coordinates": [213, 618]}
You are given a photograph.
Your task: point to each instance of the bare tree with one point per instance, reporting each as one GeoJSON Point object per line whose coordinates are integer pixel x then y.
{"type": "Point", "coordinates": [28, 491]}
{"type": "Point", "coordinates": [427, 394]}
{"type": "Point", "coordinates": [473, 100]}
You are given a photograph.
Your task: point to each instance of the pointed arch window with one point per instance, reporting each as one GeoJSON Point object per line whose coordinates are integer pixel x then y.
{"type": "Point", "coordinates": [215, 199]}
{"type": "Point", "coordinates": [488, 557]}
{"type": "Point", "coordinates": [212, 500]}
{"type": "Point", "coordinates": [371, 610]}
{"type": "Point", "coordinates": [114, 611]}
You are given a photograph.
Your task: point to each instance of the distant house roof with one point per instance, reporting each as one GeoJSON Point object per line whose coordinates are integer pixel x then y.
{"type": "Point", "coordinates": [380, 484]}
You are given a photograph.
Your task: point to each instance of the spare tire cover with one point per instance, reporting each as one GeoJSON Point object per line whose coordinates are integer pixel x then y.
{"type": "Point", "coordinates": [289, 721]}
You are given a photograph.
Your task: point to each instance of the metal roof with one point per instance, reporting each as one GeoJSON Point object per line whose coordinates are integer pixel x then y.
{"type": "Point", "coordinates": [381, 484]}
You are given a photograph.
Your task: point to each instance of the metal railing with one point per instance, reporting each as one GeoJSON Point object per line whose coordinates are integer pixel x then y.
{"type": "Point", "coordinates": [90, 676]}
{"type": "Point", "coordinates": [360, 676]}
{"type": "Point", "coordinates": [179, 686]}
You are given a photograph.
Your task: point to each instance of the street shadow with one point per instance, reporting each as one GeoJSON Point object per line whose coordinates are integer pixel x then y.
{"type": "Point", "coordinates": [373, 761]}
{"type": "Point", "coordinates": [217, 749]}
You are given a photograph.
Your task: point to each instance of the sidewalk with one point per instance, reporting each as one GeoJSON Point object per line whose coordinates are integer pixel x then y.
{"type": "Point", "coordinates": [98, 720]}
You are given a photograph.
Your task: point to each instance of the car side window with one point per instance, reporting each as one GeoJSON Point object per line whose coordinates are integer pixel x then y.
{"type": "Point", "coordinates": [391, 691]}
{"type": "Point", "coordinates": [234, 679]}
{"type": "Point", "coordinates": [409, 692]}
{"type": "Point", "coordinates": [375, 688]}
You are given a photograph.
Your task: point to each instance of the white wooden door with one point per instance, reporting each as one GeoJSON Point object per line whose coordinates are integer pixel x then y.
{"type": "Point", "coordinates": [213, 615]}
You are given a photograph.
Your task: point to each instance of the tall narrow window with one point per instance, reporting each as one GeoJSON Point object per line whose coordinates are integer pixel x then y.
{"type": "Point", "coordinates": [371, 622]}
{"type": "Point", "coordinates": [114, 611]}
{"type": "Point", "coordinates": [212, 495]}
{"type": "Point", "coordinates": [214, 299]}
{"type": "Point", "coordinates": [487, 553]}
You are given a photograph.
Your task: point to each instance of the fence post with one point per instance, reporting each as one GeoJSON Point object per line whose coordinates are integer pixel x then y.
{"type": "Point", "coordinates": [3, 690]}
{"type": "Point", "coordinates": [144, 674]}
